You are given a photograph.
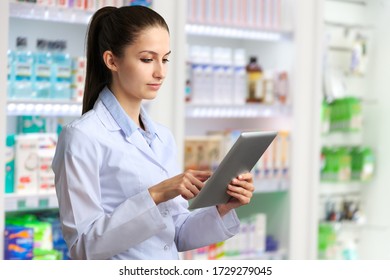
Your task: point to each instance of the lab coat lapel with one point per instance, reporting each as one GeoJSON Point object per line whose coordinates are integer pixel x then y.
{"type": "Point", "coordinates": [139, 141]}
{"type": "Point", "coordinates": [160, 152]}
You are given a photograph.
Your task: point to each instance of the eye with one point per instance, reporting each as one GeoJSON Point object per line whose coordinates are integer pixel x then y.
{"type": "Point", "coordinates": [146, 60]}
{"type": "Point", "coordinates": [165, 60]}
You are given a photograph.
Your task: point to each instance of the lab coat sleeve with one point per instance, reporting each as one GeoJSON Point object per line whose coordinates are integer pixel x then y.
{"type": "Point", "coordinates": [91, 233]}
{"type": "Point", "coordinates": [203, 226]}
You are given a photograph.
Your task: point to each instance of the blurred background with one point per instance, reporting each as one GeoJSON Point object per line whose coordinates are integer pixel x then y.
{"type": "Point", "coordinates": [313, 70]}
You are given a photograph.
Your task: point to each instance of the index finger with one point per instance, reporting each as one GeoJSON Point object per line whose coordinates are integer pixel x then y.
{"type": "Point", "coordinates": [202, 175]}
{"type": "Point", "coordinates": [245, 176]}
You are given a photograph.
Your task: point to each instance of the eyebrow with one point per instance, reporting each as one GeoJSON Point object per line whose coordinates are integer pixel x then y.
{"type": "Point", "coordinates": [152, 52]}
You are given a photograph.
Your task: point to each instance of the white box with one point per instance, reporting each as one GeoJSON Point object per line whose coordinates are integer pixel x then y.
{"type": "Point", "coordinates": [26, 163]}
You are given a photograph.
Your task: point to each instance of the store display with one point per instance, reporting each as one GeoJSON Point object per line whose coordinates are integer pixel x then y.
{"type": "Point", "coordinates": [245, 14]}
{"type": "Point", "coordinates": [351, 181]}
{"type": "Point", "coordinates": [47, 73]}
{"type": "Point", "coordinates": [250, 242]}
{"type": "Point", "coordinates": [220, 76]}
{"type": "Point", "coordinates": [34, 236]}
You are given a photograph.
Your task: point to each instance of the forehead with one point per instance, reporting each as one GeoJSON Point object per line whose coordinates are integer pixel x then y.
{"type": "Point", "coordinates": [154, 39]}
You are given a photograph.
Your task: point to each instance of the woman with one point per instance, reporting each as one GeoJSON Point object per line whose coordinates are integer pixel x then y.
{"type": "Point", "coordinates": [120, 192]}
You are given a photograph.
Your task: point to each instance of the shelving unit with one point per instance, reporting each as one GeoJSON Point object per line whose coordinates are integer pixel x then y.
{"type": "Point", "coordinates": [30, 202]}
{"type": "Point", "coordinates": [256, 34]}
{"type": "Point", "coordinates": [4, 13]}
{"type": "Point", "coordinates": [275, 49]}
{"type": "Point", "coordinates": [50, 14]}
{"type": "Point", "coordinates": [28, 19]}
{"type": "Point", "coordinates": [343, 19]}
{"type": "Point", "coordinates": [43, 108]}
{"type": "Point", "coordinates": [31, 20]}
{"type": "Point", "coordinates": [237, 111]}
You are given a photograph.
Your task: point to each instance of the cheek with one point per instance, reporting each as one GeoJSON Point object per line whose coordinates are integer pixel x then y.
{"type": "Point", "coordinates": [129, 75]}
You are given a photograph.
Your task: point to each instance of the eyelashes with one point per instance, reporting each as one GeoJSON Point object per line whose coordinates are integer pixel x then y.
{"type": "Point", "coordinates": [148, 60]}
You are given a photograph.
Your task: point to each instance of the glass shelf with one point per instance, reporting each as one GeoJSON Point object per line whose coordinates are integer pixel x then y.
{"type": "Point", "coordinates": [341, 188]}
{"type": "Point", "coordinates": [24, 202]}
{"type": "Point", "coordinates": [238, 33]}
{"type": "Point", "coordinates": [56, 14]}
{"type": "Point", "coordinates": [271, 185]}
{"type": "Point", "coordinates": [280, 254]}
{"type": "Point", "coordinates": [343, 138]}
{"type": "Point", "coordinates": [237, 111]}
{"type": "Point", "coordinates": [43, 107]}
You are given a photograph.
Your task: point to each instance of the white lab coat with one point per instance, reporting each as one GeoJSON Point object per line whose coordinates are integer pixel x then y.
{"type": "Point", "coordinates": [103, 168]}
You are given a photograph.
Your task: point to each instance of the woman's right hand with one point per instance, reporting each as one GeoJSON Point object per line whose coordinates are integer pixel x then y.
{"type": "Point", "coordinates": [187, 184]}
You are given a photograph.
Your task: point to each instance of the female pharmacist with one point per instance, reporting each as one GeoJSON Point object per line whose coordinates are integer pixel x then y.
{"type": "Point", "coordinates": [118, 184]}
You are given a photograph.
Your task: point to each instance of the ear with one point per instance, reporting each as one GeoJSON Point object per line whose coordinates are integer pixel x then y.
{"type": "Point", "coordinates": [109, 60]}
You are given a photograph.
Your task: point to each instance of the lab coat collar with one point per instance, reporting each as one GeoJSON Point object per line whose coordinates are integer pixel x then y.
{"type": "Point", "coordinates": [125, 123]}
{"type": "Point", "coordinates": [115, 118]}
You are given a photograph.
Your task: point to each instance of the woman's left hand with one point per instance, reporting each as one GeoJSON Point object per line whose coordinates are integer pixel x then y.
{"type": "Point", "coordinates": [241, 191]}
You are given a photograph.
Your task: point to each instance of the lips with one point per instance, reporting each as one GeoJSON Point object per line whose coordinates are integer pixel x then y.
{"type": "Point", "coordinates": [154, 86]}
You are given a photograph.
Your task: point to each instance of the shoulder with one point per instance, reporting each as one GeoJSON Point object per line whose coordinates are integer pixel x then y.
{"type": "Point", "coordinates": [81, 132]}
{"type": "Point", "coordinates": [86, 124]}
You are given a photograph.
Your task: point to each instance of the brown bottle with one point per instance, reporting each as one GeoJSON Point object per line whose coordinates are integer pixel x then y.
{"type": "Point", "coordinates": [255, 81]}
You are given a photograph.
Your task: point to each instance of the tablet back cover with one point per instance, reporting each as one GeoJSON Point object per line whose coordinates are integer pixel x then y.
{"type": "Point", "coordinates": [242, 157]}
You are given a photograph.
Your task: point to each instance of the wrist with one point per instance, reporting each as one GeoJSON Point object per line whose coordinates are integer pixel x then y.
{"type": "Point", "coordinates": [154, 196]}
{"type": "Point", "coordinates": [223, 209]}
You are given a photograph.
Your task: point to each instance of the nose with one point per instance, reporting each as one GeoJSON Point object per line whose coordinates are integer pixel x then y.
{"type": "Point", "coordinates": [159, 71]}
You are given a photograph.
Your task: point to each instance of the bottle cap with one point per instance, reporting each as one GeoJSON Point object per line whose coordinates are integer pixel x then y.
{"type": "Point", "coordinates": [21, 42]}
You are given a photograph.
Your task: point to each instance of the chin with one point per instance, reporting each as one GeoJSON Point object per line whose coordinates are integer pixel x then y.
{"type": "Point", "coordinates": [150, 96]}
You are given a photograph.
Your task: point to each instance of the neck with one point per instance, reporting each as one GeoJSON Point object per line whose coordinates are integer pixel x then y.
{"type": "Point", "coordinates": [132, 107]}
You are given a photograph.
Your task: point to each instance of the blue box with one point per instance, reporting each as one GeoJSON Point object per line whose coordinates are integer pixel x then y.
{"type": "Point", "coordinates": [18, 243]}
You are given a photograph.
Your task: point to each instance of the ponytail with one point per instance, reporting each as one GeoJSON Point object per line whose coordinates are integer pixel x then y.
{"type": "Point", "coordinates": [97, 74]}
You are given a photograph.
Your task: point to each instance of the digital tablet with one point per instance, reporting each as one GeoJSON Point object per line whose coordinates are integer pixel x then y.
{"type": "Point", "coordinates": [242, 157]}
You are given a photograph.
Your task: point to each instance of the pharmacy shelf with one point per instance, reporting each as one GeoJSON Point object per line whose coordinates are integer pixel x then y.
{"type": "Point", "coordinates": [271, 185]}
{"type": "Point", "coordinates": [238, 33]}
{"type": "Point", "coordinates": [341, 188]}
{"type": "Point", "coordinates": [343, 138]}
{"type": "Point", "coordinates": [27, 202]}
{"type": "Point", "coordinates": [237, 111]}
{"type": "Point", "coordinates": [280, 254]}
{"type": "Point", "coordinates": [18, 107]}
{"type": "Point", "coordinates": [57, 14]}
{"type": "Point", "coordinates": [345, 225]}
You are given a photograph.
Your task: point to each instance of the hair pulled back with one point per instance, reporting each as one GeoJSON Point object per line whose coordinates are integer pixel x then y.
{"type": "Point", "coordinates": [112, 29]}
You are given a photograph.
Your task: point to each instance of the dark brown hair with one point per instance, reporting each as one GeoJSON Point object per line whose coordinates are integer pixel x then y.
{"type": "Point", "coordinates": [112, 29]}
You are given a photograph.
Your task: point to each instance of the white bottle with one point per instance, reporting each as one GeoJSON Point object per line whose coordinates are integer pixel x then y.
{"type": "Point", "coordinates": [218, 76]}
{"type": "Point", "coordinates": [196, 74]}
{"type": "Point", "coordinates": [269, 87]}
{"type": "Point", "coordinates": [228, 75]}
{"type": "Point", "coordinates": [239, 77]}
{"type": "Point", "coordinates": [207, 87]}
